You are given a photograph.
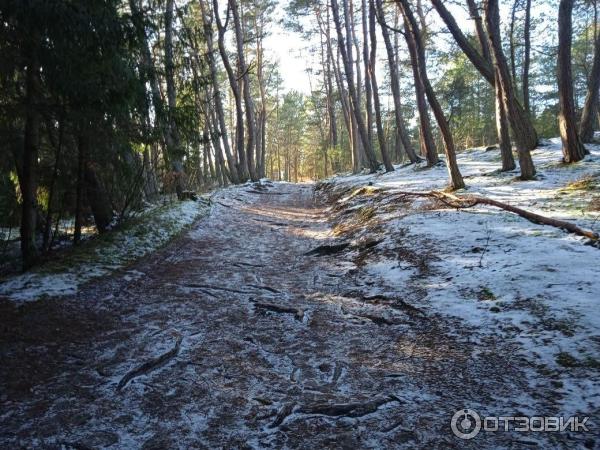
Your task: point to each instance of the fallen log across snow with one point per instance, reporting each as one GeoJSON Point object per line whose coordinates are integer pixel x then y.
{"type": "Point", "coordinates": [469, 201]}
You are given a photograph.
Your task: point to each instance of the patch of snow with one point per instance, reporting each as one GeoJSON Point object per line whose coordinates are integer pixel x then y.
{"type": "Point", "coordinates": [505, 277]}
{"type": "Point", "coordinates": [153, 230]}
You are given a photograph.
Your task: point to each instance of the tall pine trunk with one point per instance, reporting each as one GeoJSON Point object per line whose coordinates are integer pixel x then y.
{"type": "Point", "coordinates": [356, 113]}
{"type": "Point", "coordinates": [247, 93]}
{"type": "Point", "coordinates": [526, 56]}
{"type": "Point", "coordinates": [428, 149]}
{"type": "Point", "coordinates": [402, 134]}
{"type": "Point", "coordinates": [372, 71]}
{"type": "Point", "coordinates": [520, 128]}
{"type": "Point", "coordinates": [412, 29]}
{"type": "Point", "coordinates": [28, 179]}
{"type": "Point", "coordinates": [174, 149]}
{"type": "Point", "coordinates": [572, 147]}
{"type": "Point", "coordinates": [242, 164]}
{"type": "Point", "coordinates": [590, 107]}
{"type": "Point", "coordinates": [525, 129]}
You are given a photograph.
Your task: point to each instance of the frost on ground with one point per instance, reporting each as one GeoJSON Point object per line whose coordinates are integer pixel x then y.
{"type": "Point", "coordinates": [343, 317]}
{"type": "Point", "coordinates": [147, 232]}
{"type": "Point", "coordinates": [533, 287]}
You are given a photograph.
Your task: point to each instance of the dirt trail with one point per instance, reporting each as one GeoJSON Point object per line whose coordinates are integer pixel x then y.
{"type": "Point", "coordinates": [233, 337]}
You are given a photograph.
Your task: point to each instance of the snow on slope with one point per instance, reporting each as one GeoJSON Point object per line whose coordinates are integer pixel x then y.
{"type": "Point", "coordinates": [149, 231]}
{"type": "Point", "coordinates": [535, 286]}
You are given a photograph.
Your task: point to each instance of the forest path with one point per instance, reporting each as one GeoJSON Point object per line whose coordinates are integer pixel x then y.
{"type": "Point", "coordinates": [233, 337]}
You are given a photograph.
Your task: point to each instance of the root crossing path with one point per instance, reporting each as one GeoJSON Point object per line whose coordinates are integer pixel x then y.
{"type": "Point", "coordinates": [239, 334]}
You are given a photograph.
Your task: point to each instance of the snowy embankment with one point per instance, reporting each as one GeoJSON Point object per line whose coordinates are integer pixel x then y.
{"type": "Point", "coordinates": [145, 233]}
{"type": "Point", "coordinates": [534, 286]}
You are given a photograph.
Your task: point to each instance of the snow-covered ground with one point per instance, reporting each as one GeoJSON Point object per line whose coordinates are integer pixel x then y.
{"type": "Point", "coordinates": [511, 280]}
{"type": "Point", "coordinates": [147, 232]}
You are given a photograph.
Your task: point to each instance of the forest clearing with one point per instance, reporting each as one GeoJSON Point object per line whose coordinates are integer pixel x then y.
{"type": "Point", "coordinates": [299, 224]}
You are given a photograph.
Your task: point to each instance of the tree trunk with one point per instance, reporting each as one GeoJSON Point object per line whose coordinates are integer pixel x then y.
{"type": "Point", "coordinates": [368, 73]}
{"type": "Point", "coordinates": [511, 44]}
{"type": "Point", "coordinates": [97, 198]}
{"type": "Point", "coordinates": [395, 85]}
{"type": "Point", "coordinates": [590, 107]}
{"type": "Point", "coordinates": [28, 180]}
{"type": "Point", "coordinates": [526, 57]}
{"type": "Point", "coordinates": [428, 149]}
{"type": "Point", "coordinates": [242, 167]}
{"type": "Point", "coordinates": [527, 132]}
{"type": "Point", "coordinates": [520, 129]}
{"type": "Point", "coordinates": [573, 149]}
{"type": "Point", "coordinates": [480, 30]}
{"type": "Point", "coordinates": [175, 151]}
{"type": "Point", "coordinates": [330, 97]}
{"type": "Point", "coordinates": [160, 119]}
{"type": "Point", "coordinates": [249, 103]}
{"type": "Point", "coordinates": [80, 188]}
{"type": "Point", "coordinates": [218, 101]}
{"type": "Point", "coordinates": [59, 145]}
{"type": "Point", "coordinates": [372, 70]}
{"type": "Point", "coordinates": [502, 124]}
{"type": "Point", "coordinates": [373, 164]}
{"type": "Point", "coordinates": [508, 161]}
{"type": "Point", "coordinates": [412, 29]}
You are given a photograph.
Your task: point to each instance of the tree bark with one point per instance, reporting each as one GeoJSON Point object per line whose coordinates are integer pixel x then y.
{"type": "Point", "coordinates": [175, 151]}
{"type": "Point", "coordinates": [502, 124]}
{"type": "Point", "coordinates": [160, 119]}
{"type": "Point", "coordinates": [368, 72]}
{"type": "Point", "coordinates": [526, 128]}
{"type": "Point", "coordinates": [480, 30]}
{"type": "Point", "coordinates": [248, 102]}
{"type": "Point", "coordinates": [389, 167]}
{"type": "Point", "coordinates": [412, 29]}
{"type": "Point", "coordinates": [242, 166]}
{"type": "Point", "coordinates": [573, 149]}
{"type": "Point", "coordinates": [80, 188]}
{"type": "Point", "coordinates": [97, 198]}
{"type": "Point", "coordinates": [28, 179]}
{"type": "Point", "coordinates": [511, 43]}
{"type": "Point", "coordinates": [492, 21]}
{"type": "Point", "coordinates": [590, 106]}
{"type": "Point", "coordinates": [526, 57]}
{"type": "Point", "coordinates": [218, 101]}
{"type": "Point", "coordinates": [330, 101]}
{"type": "Point", "coordinates": [373, 163]}
{"type": "Point", "coordinates": [428, 149]}
{"type": "Point", "coordinates": [395, 85]}
{"type": "Point", "coordinates": [508, 161]}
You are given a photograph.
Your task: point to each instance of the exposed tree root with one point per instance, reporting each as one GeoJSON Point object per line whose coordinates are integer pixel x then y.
{"type": "Point", "coordinates": [395, 303]}
{"type": "Point", "coordinates": [254, 191]}
{"type": "Point", "coordinates": [151, 365]}
{"type": "Point", "coordinates": [218, 288]}
{"type": "Point", "coordinates": [323, 250]}
{"type": "Point", "coordinates": [244, 264]}
{"type": "Point", "coordinates": [347, 409]}
{"type": "Point", "coordinates": [297, 312]}
{"type": "Point", "coordinates": [266, 288]}
{"type": "Point", "coordinates": [469, 201]}
{"type": "Point", "coordinates": [377, 320]}
{"type": "Point", "coordinates": [282, 414]}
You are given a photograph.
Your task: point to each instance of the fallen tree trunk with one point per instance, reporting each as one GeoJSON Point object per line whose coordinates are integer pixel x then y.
{"type": "Point", "coordinates": [468, 201]}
